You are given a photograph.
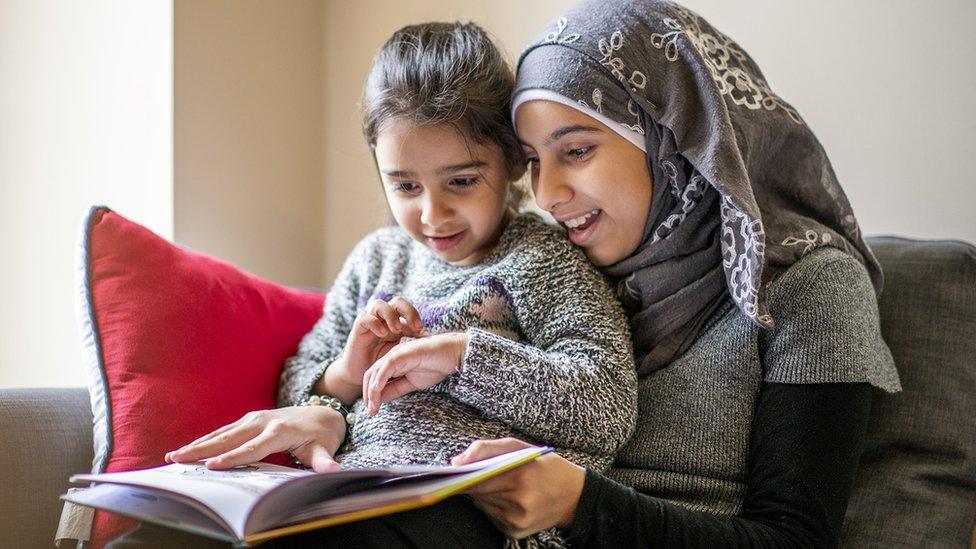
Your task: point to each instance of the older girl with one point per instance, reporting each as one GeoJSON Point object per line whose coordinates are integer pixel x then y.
{"type": "Point", "coordinates": [751, 293]}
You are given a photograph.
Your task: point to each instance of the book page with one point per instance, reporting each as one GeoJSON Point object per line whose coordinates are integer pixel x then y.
{"type": "Point", "coordinates": [229, 493]}
{"type": "Point", "coordinates": [152, 507]}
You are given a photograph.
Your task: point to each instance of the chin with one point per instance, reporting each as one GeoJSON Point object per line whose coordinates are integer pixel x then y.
{"type": "Point", "coordinates": [602, 257]}
{"type": "Point", "coordinates": [597, 259]}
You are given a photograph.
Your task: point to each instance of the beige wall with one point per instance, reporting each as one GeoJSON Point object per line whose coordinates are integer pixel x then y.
{"type": "Point", "coordinates": [85, 117]}
{"type": "Point", "coordinates": [248, 134]}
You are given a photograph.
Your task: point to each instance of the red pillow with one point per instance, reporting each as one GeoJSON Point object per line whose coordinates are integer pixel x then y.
{"type": "Point", "coordinates": [177, 344]}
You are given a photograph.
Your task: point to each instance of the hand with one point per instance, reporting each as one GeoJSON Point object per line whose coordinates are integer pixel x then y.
{"type": "Point", "coordinates": [412, 366]}
{"type": "Point", "coordinates": [311, 433]}
{"type": "Point", "coordinates": [376, 330]}
{"type": "Point", "coordinates": [528, 499]}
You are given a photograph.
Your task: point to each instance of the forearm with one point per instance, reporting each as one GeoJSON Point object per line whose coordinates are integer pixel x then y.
{"type": "Point", "coordinates": [612, 515]}
{"type": "Point", "coordinates": [805, 447]}
{"type": "Point", "coordinates": [585, 400]}
{"type": "Point", "coordinates": [335, 383]}
{"type": "Point", "coordinates": [302, 373]}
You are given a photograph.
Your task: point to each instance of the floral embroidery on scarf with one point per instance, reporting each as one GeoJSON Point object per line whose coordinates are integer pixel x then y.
{"type": "Point", "coordinates": [810, 240]}
{"type": "Point", "coordinates": [671, 171]}
{"type": "Point", "coordinates": [597, 101]}
{"type": "Point", "coordinates": [636, 81]}
{"type": "Point", "coordinates": [554, 36]}
{"type": "Point", "coordinates": [717, 52]}
{"type": "Point", "coordinates": [692, 195]}
{"type": "Point", "coordinates": [742, 256]}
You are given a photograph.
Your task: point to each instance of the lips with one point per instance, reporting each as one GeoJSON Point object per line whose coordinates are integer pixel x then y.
{"type": "Point", "coordinates": [581, 233]}
{"type": "Point", "coordinates": [442, 243]}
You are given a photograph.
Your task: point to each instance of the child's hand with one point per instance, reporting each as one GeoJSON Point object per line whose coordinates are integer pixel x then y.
{"type": "Point", "coordinates": [412, 366]}
{"type": "Point", "coordinates": [311, 433]}
{"type": "Point", "coordinates": [376, 330]}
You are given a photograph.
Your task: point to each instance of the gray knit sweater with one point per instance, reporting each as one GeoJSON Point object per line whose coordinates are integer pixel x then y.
{"type": "Point", "coordinates": [549, 357]}
{"type": "Point", "coordinates": [696, 415]}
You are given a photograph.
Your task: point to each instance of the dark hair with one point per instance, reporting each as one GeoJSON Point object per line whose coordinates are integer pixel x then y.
{"type": "Point", "coordinates": [444, 73]}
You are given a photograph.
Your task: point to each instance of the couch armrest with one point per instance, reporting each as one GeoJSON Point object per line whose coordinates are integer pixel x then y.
{"type": "Point", "coordinates": [47, 436]}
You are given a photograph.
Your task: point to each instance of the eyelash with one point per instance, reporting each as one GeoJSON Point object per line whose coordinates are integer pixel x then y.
{"type": "Point", "coordinates": [578, 154]}
{"type": "Point", "coordinates": [460, 182]}
{"type": "Point", "coordinates": [406, 188]}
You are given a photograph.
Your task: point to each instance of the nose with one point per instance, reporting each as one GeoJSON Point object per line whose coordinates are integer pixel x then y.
{"type": "Point", "coordinates": [436, 210]}
{"type": "Point", "coordinates": [550, 188]}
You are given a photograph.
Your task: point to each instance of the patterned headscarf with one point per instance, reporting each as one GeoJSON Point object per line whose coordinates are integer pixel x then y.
{"type": "Point", "coordinates": [742, 187]}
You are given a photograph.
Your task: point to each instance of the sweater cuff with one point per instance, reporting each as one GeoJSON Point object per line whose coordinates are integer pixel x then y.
{"type": "Point", "coordinates": [480, 378]}
{"type": "Point", "coordinates": [315, 373]}
{"type": "Point", "coordinates": [581, 530]}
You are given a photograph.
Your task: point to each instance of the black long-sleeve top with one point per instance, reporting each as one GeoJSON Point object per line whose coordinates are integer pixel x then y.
{"type": "Point", "coordinates": [804, 449]}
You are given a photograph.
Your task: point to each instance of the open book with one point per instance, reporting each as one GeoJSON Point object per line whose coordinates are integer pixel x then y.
{"type": "Point", "coordinates": [257, 502]}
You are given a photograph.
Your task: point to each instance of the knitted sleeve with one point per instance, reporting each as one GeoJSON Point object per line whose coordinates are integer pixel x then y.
{"type": "Point", "coordinates": [827, 327]}
{"type": "Point", "coordinates": [573, 383]}
{"type": "Point", "coordinates": [325, 342]}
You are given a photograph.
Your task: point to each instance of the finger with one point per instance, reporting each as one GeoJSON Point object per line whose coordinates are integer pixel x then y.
{"type": "Point", "coordinates": [367, 383]}
{"type": "Point", "coordinates": [395, 389]}
{"type": "Point", "coordinates": [268, 442]}
{"type": "Point", "coordinates": [219, 444]}
{"type": "Point", "coordinates": [321, 460]}
{"type": "Point", "coordinates": [205, 437]}
{"type": "Point", "coordinates": [406, 309]}
{"type": "Point", "coordinates": [390, 317]}
{"type": "Point", "coordinates": [385, 369]}
{"type": "Point", "coordinates": [500, 484]}
{"type": "Point", "coordinates": [376, 325]}
{"type": "Point", "coordinates": [367, 376]}
{"type": "Point", "coordinates": [484, 449]}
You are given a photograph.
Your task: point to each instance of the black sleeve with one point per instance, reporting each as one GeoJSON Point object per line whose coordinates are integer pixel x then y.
{"type": "Point", "coordinates": [805, 444]}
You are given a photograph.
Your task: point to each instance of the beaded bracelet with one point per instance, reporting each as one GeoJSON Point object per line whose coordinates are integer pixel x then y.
{"type": "Point", "coordinates": [332, 402]}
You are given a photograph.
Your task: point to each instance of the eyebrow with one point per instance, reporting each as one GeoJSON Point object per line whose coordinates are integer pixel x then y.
{"type": "Point", "coordinates": [442, 170]}
{"type": "Point", "coordinates": [566, 130]}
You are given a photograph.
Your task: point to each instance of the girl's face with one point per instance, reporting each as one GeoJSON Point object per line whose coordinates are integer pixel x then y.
{"type": "Point", "coordinates": [592, 180]}
{"type": "Point", "coordinates": [448, 193]}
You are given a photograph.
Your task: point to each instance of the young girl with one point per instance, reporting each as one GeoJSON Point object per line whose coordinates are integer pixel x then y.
{"type": "Point", "coordinates": [511, 330]}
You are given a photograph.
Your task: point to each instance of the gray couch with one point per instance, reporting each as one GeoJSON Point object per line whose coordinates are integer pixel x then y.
{"type": "Point", "coordinates": [916, 486]}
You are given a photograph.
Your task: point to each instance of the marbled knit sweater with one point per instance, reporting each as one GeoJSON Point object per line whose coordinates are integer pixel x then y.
{"type": "Point", "coordinates": [549, 356]}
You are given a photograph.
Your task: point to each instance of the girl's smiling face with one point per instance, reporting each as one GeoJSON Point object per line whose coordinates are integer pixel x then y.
{"type": "Point", "coordinates": [592, 180]}
{"type": "Point", "coordinates": [447, 192]}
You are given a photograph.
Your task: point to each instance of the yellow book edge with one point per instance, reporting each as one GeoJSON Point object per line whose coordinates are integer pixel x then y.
{"type": "Point", "coordinates": [420, 501]}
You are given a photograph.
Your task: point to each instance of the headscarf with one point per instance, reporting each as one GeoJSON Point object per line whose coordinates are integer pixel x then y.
{"type": "Point", "coordinates": [742, 188]}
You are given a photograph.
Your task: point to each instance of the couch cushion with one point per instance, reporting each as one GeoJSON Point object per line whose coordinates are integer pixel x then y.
{"type": "Point", "coordinates": [177, 345]}
{"type": "Point", "coordinates": [46, 436]}
{"type": "Point", "coordinates": [916, 486]}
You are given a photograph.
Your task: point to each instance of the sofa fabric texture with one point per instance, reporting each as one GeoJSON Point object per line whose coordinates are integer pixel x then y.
{"type": "Point", "coordinates": [916, 484]}
{"type": "Point", "coordinates": [46, 436]}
